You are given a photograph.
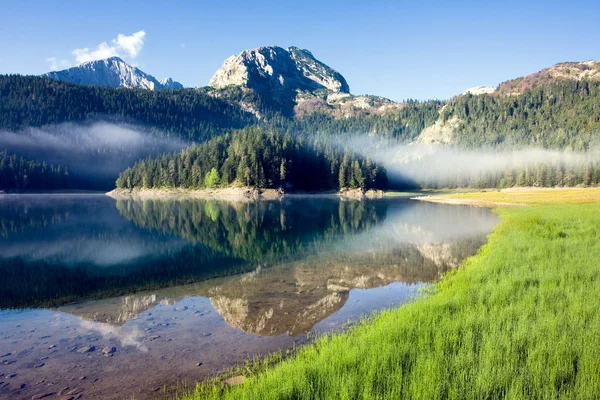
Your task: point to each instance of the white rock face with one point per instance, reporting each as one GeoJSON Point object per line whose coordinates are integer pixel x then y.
{"type": "Point", "coordinates": [273, 69]}
{"type": "Point", "coordinates": [112, 72]}
{"type": "Point", "coordinates": [477, 90]}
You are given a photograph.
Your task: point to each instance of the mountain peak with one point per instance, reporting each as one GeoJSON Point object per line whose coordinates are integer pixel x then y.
{"type": "Point", "coordinates": [113, 72]}
{"type": "Point", "coordinates": [273, 69]}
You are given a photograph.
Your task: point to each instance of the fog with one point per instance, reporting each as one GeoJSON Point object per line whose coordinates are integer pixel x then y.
{"type": "Point", "coordinates": [93, 154]}
{"type": "Point", "coordinates": [413, 165]}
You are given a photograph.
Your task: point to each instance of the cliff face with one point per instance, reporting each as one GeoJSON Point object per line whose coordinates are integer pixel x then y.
{"type": "Point", "coordinates": [272, 69]}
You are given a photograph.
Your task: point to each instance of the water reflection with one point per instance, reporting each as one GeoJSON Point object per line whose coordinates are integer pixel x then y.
{"type": "Point", "coordinates": [166, 282]}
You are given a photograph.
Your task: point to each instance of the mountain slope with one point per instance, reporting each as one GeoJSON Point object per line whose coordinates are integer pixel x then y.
{"type": "Point", "coordinates": [567, 71]}
{"type": "Point", "coordinates": [291, 82]}
{"type": "Point", "coordinates": [113, 72]}
{"type": "Point", "coordinates": [564, 115]}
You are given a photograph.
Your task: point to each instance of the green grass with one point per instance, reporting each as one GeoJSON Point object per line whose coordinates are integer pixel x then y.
{"type": "Point", "coordinates": [520, 320]}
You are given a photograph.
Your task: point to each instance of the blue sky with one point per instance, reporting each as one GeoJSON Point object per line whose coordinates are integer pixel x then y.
{"type": "Point", "coordinates": [397, 49]}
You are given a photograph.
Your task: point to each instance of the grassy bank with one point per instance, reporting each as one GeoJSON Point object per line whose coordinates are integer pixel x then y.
{"type": "Point", "coordinates": [520, 320]}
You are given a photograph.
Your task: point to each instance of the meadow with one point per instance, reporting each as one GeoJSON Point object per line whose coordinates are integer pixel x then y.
{"type": "Point", "coordinates": [518, 320]}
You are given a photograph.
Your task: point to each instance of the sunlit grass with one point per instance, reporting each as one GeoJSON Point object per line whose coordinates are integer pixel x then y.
{"type": "Point", "coordinates": [520, 320]}
{"type": "Point", "coordinates": [533, 196]}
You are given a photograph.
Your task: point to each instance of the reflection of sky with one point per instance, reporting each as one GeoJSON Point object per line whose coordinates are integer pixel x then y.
{"type": "Point", "coordinates": [419, 223]}
{"type": "Point", "coordinates": [363, 302]}
{"type": "Point", "coordinates": [89, 230]}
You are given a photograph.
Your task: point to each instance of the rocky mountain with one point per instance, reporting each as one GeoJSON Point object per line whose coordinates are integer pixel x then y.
{"type": "Point", "coordinates": [296, 80]}
{"type": "Point", "coordinates": [274, 69]}
{"type": "Point", "coordinates": [113, 72]}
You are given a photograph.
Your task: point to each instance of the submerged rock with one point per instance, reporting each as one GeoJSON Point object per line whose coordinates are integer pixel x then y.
{"type": "Point", "coordinates": [86, 349]}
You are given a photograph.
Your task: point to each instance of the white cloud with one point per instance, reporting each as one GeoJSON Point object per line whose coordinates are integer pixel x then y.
{"type": "Point", "coordinates": [129, 46]}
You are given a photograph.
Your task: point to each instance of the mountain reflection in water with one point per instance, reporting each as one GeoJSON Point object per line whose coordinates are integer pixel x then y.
{"type": "Point", "coordinates": [175, 284]}
{"type": "Point", "coordinates": [269, 268]}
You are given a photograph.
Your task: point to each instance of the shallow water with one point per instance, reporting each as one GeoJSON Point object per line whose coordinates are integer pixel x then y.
{"type": "Point", "coordinates": [179, 290]}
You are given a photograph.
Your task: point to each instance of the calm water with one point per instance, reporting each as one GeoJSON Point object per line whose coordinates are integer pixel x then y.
{"type": "Point", "coordinates": [179, 290]}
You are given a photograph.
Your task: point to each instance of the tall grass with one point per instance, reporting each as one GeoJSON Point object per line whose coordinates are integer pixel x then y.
{"type": "Point", "coordinates": [520, 320]}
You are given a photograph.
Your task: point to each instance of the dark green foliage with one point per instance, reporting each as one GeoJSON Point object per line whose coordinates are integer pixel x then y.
{"type": "Point", "coordinates": [546, 174]}
{"type": "Point", "coordinates": [18, 173]}
{"type": "Point", "coordinates": [564, 115]}
{"type": "Point", "coordinates": [257, 158]}
{"type": "Point", "coordinates": [403, 125]}
{"type": "Point", "coordinates": [189, 114]}
{"type": "Point", "coordinates": [257, 232]}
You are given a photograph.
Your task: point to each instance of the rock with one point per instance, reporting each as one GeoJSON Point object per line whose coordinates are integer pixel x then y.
{"type": "Point", "coordinates": [67, 398]}
{"type": "Point", "coordinates": [181, 308]}
{"type": "Point", "coordinates": [236, 380]}
{"type": "Point", "coordinates": [108, 350]}
{"type": "Point", "coordinates": [42, 396]}
{"type": "Point", "coordinates": [51, 347]}
{"type": "Point", "coordinates": [6, 355]}
{"type": "Point", "coordinates": [11, 376]}
{"type": "Point", "coordinates": [81, 378]}
{"type": "Point", "coordinates": [62, 391]}
{"type": "Point", "coordinates": [74, 392]}
{"type": "Point", "coordinates": [206, 334]}
{"type": "Point", "coordinates": [272, 69]}
{"type": "Point", "coordinates": [40, 365]}
{"type": "Point", "coordinates": [154, 337]}
{"type": "Point", "coordinates": [198, 364]}
{"type": "Point", "coordinates": [477, 90]}
{"type": "Point", "coordinates": [86, 349]}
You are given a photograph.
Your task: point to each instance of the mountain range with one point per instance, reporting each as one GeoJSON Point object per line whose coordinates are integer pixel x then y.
{"type": "Point", "coordinates": [297, 84]}
{"type": "Point", "coordinates": [285, 90]}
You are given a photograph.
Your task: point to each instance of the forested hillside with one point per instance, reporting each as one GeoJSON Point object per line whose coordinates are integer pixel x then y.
{"type": "Point", "coordinates": [403, 125]}
{"type": "Point", "coordinates": [258, 158]}
{"type": "Point", "coordinates": [189, 114]}
{"type": "Point", "coordinates": [562, 115]}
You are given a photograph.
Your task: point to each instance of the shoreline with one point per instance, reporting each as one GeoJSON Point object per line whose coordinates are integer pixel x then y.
{"type": "Point", "coordinates": [236, 194]}
{"type": "Point", "coordinates": [530, 245]}
{"type": "Point", "coordinates": [467, 202]}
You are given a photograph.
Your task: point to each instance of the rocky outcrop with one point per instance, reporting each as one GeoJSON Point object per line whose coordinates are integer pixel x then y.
{"type": "Point", "coordinates": [272, 69]}
{"type": "Point", "coordinates": [440, 133]}
{"type": "Point", "coordinates": [343, 105]}
{"type": "Point", "coordinates": [113, 72]}
{"type": "Point", "coordinates": [477, 90]}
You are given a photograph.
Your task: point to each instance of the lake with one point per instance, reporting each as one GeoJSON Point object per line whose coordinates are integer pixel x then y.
{"type": "Point", "coordinates": [120, 298]}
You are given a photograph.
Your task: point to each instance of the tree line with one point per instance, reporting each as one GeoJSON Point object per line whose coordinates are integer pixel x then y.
{"type": "Point", "coordinates": [543, 174]}
{"type": "Point", "coordinates": [17, 173]}
{"type": "Point", "coordinates": [260, 158]}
